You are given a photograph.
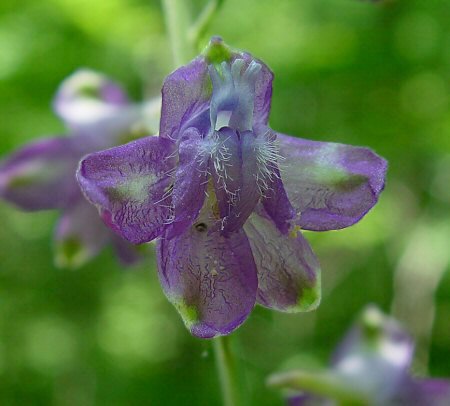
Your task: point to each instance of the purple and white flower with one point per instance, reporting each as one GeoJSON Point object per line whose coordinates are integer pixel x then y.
{"type": "Point", "coordinates": [227, 196]}
{"type": "Point", "coordinates": [370, 367]}
{"type": "Point", "coordinates": [41, 175]}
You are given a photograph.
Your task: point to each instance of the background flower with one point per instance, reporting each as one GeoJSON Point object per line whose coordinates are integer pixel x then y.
{"type": "Point", "coordinates": [41, 175]}
{"type": "Point", "coordinates": [371, 366]}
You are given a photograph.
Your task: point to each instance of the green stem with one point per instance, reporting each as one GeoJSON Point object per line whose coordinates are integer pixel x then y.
{"type": "Point", "coordinates": [203, 20]}
{"type": "Point", "coordinates": [176, 14]}
{"type": "Point", "coordinates": [227, 371]}
{"type": "Point", "coordinates": [322, 384]}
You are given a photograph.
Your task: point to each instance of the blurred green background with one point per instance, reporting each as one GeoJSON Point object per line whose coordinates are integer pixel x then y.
{"type": "Point", "coordinates": [348, 71]}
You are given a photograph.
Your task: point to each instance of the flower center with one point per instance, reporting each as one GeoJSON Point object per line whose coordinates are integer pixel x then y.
{"type": "Point", "coordinates": [232, 101]}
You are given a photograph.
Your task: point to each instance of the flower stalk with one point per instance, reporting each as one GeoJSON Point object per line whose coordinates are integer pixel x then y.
{"type": "Point", "coordinates": [227, 369]}
{"type": "Point", "coordinates": [177, 18]}
{"type": "Point", "coordinates": [201, 24]}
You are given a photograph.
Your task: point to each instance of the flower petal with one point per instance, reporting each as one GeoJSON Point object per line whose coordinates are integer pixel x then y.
{"type": "Point", "coordinates": [41, 175]}
{"type": "Point", "coordinates": [331, 186]}
{"type": "Point", "coordinates": [374, 357]}
{"type": "Point", "coordinates": [210, 279]}
{"type": "Point", "coordinates": [80, 235]}
{"type": "Point", "coordinates": [187, 92]}
{"type": "Point", "coordinates": [226, 169]}
{"type": "Point", "coordinates": [130, 185]}
{"type": "Point", "coordinates": [249, 193]}
{"type": "Point", "coordinates": [86, 97]}
{"type": "Point", "coordinates": [288, 271]}
{"type": "Point", "coordinates": [190, 182]}
{"type": "Point", "coordinates": [263, 90]}
{"type": "Point", "coordinates": [185, 95]}
{"type": "Point", "coordinates": [276, 203]}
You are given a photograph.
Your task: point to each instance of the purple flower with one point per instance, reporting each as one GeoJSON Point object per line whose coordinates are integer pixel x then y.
{"type": "Point", "coordinates": [227, 195]}
{"type": "Point", "coordinates": [370, 367]}
{"type": "Point", "coordinates": [41, 175]}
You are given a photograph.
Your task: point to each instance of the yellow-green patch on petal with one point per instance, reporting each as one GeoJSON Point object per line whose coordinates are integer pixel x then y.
{"type": "Point", "coordinates": [309, 297]}
{"type": "Point", "coordinates": [188, 313]}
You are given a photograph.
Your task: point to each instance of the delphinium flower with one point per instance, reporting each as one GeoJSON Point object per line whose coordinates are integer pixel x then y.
{"type": "Point", "coordinates": [370, 367]}
{"type": "Point", "coordinates": [41, 175]}
{"type": "Point", "coordinates": [227, 196]}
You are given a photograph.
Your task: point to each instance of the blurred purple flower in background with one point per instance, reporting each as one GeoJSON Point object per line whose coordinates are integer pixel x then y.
{"type": "Point", "coordinates": [41, 175]}
{"type": "Point", "coordinates": [370, 367]}
{"type": "Point", "coordinates": [227, 195]}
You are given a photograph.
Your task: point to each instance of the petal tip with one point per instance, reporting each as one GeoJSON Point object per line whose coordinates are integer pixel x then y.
{"type": "Point", "coordinates": [309, 297]}
{"type": "Point", "coordinates": [70, 253]}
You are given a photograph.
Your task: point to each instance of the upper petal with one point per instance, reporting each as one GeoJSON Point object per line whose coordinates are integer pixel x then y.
{"type": "Point", "coordinates": [331, 186]}
{"type": "Point", "coordinates": [210, 279]}
{"type": "Point", "coordinates": [263, 90]}
{"type": "Point", "coordinates": [288, 270]}
{"type": "Point", "coordinates": [41, 175]}
{"type": "Point", "coordinates": [185, 95]}
{"type": "Point", "coordinates": [130, 186]}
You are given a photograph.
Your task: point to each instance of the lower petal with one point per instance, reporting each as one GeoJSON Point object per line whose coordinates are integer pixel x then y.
{"type": "Point", "coordinates": [288, 271]}
{"type": "Point", "coordinates": [80, 235]}
{"type": "Point", "coordinates": [331, 186]}
{"type": "Point", "coordinates": [210, 279]}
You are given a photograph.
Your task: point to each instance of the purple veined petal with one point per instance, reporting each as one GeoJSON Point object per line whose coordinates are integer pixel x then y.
{"type": "Point", "coordinates": [210, 279]}
{"type": "Point", "coordinates": [130, 185]}
{"type": "Point", "coordinates": [41, 175]}
{"type": "Point", "coordinates": [190, 182]}
{"type": "Point", "coordinates": [185, 95]}
{"type": "Point", "coordinates": [79, 236]}
{"type": "Point", "coordinates": [288, 270]}
{"type": "Point", "coordinates": [87, 97]}
{"type": "Point", "coordinates": [331, 186]}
